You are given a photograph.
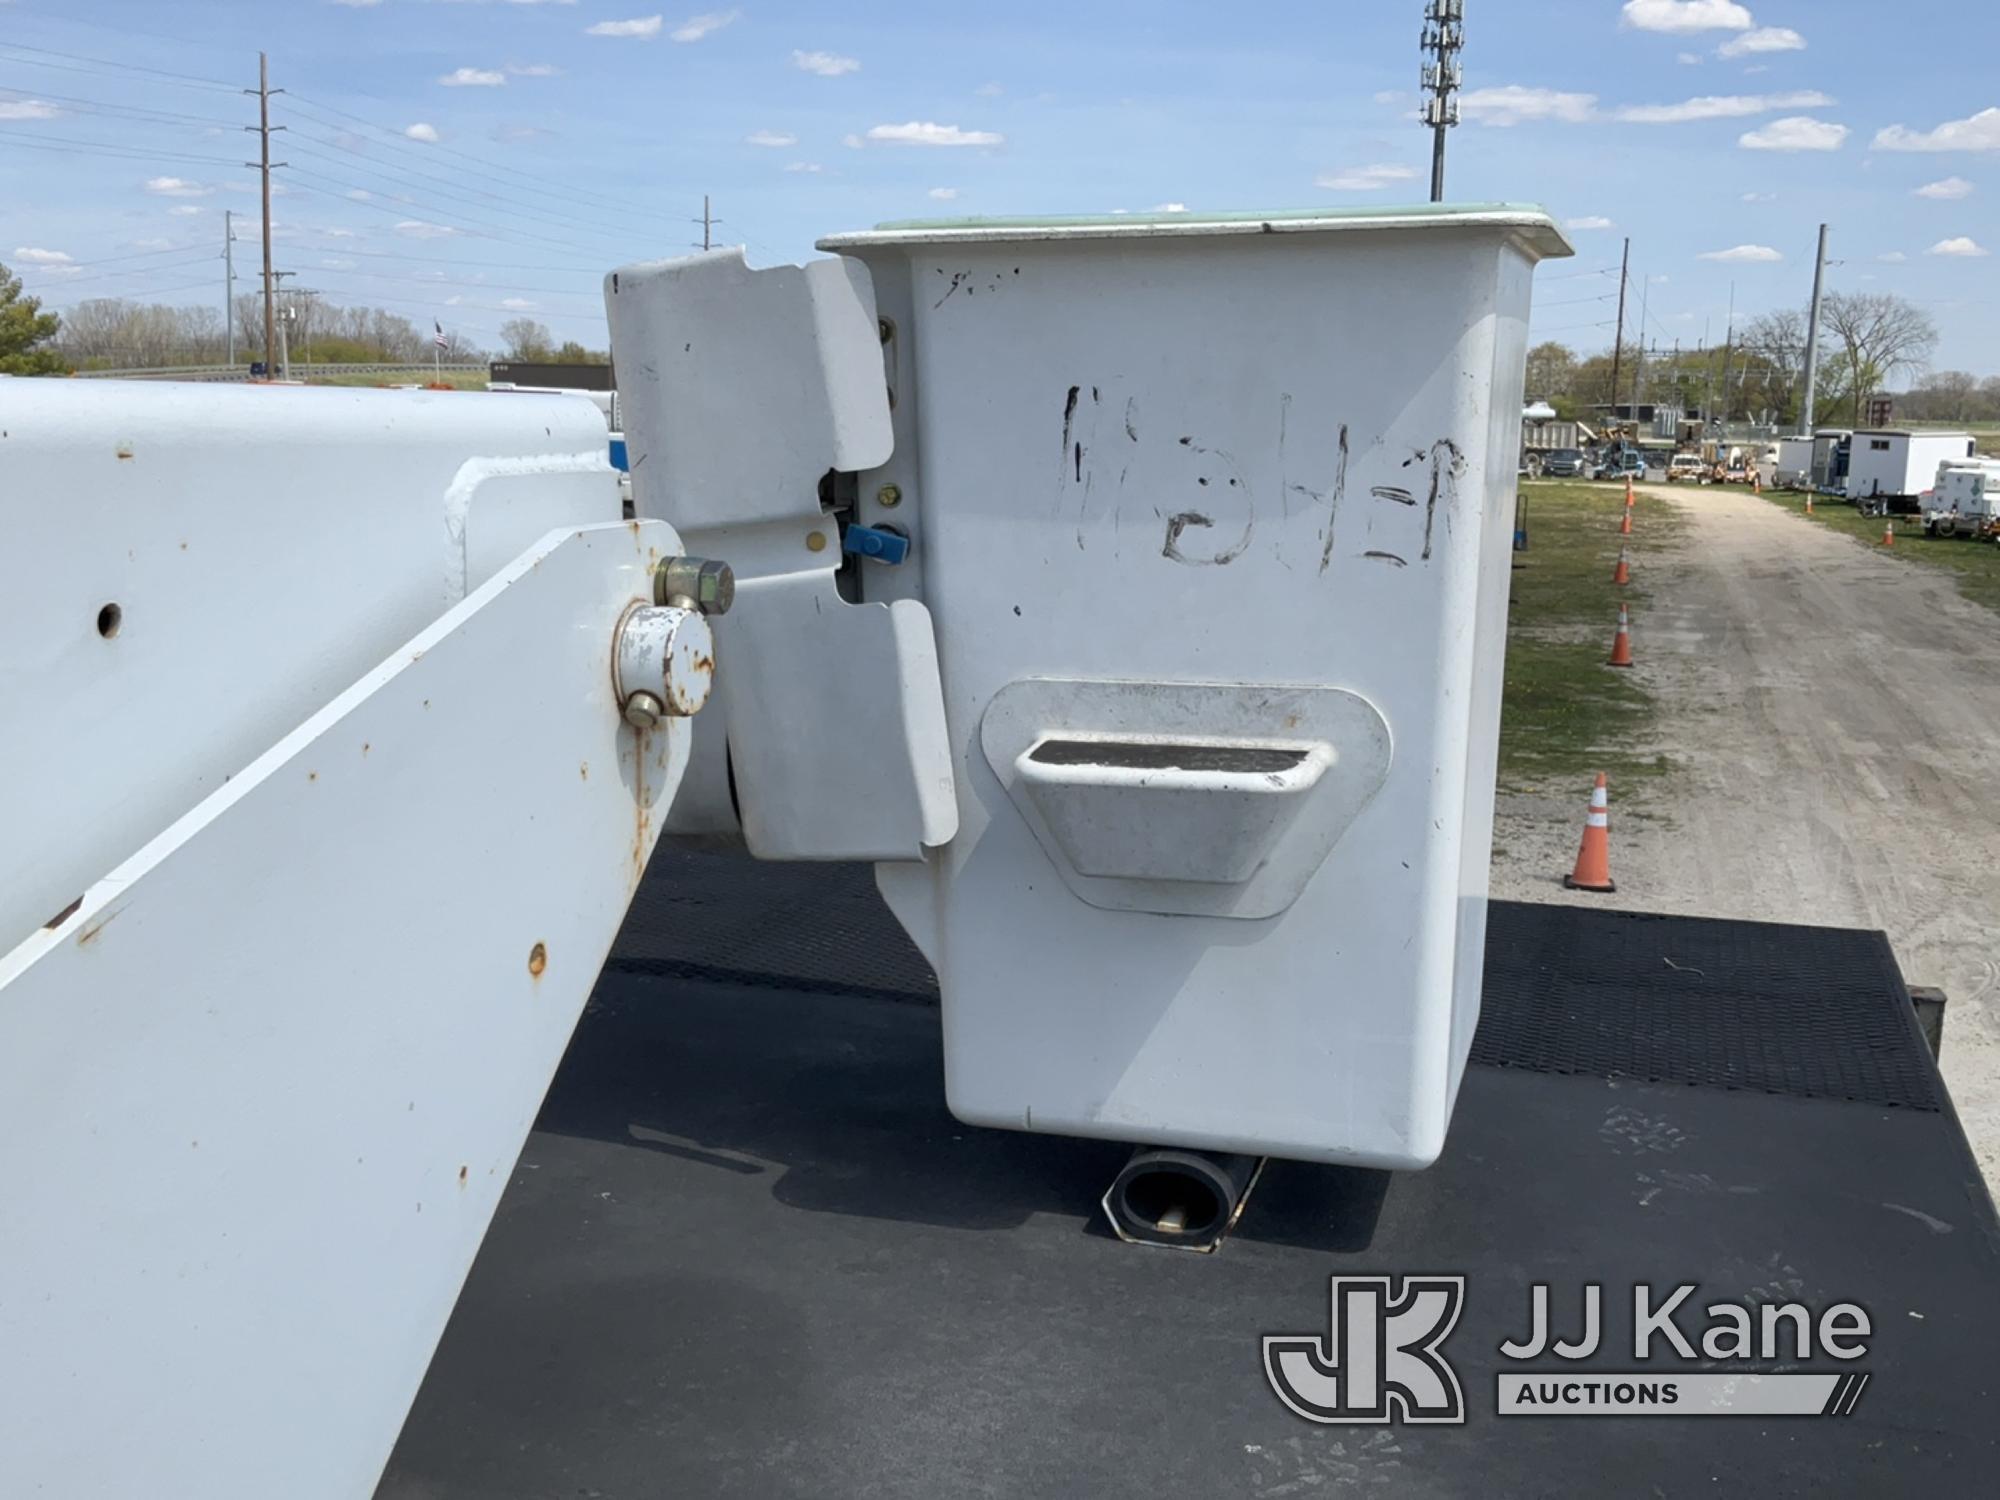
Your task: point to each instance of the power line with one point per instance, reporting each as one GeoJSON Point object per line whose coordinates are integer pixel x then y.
{"type": "Point", "coordinates": [99, 106]}
{"type": "Point", "coordinates": [396, 139]}
{"type": "Point", "coordinates": [399, 174]}
{"type": "Point", "coordinates": [184, 80]}
{"type": "Point", "coordinates": [38, 141]}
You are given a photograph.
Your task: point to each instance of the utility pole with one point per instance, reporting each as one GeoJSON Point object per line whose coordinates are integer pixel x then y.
{"type": "Point", "coordinates": [706, 221]}
{"type": "Point", "coordinates": [1618, 340]}
{"type": "Point", "coordinates": [1443, 37]}
{"type": "Point", "coordinates": [1812, 338]}
{"type": "Point", "coordinates": [280, 318]}
{"type": "Point", "coordinates": [1728, 350]}
{"type": "Point", "coordinates": [229, 281]}
{"type": "Point", "coordinates": [1639, 375]}
{"type": "Point", "coordinates": [264, 127]}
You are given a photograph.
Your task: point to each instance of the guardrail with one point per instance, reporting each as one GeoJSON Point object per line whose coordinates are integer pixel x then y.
{"type": "Point", "coordinates": [242, 372]}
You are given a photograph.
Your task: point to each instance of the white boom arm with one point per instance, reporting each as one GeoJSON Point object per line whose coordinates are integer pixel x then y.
{"type": "Point", "coordinates": [263, 1080]}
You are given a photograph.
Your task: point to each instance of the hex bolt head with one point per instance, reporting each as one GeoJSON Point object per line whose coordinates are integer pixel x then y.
{"type": "Point", "coordinates": [889, 497]}
{"type": "Point", "coordinates": [695, 583]}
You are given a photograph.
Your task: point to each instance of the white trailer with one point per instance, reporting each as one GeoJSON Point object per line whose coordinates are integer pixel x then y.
{"type": "Point", "coordinates": [1787, 464]}
{"type": "Point", "coordinates": [1965, 500]}
{"type": "Point", "coordinates": [1887, 470]}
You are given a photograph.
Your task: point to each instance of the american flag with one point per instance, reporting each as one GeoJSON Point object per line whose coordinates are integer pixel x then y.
{"type": "Point", "coordinates": [438, 338]}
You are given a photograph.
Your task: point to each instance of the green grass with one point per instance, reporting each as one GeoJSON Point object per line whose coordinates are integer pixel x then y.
{"type": "Point", "coordinates": [1976, 565]}
{"type": "Point", "coordinates": [458, 380]}
{"type": "Point", "coordinates": [1565, 714]}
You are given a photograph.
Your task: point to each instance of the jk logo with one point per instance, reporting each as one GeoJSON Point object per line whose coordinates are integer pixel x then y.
{"type": "Point", "coordinates": [1380, 1359]}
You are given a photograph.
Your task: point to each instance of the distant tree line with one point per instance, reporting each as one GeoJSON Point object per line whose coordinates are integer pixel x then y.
{"type": "Point", "coordinates": [115, 333]}
{"type": "Point", "coordinates": [1868, 340]}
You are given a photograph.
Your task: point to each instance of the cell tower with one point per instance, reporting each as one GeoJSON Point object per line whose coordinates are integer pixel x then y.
{"type": "Point", "coordinates": [1444, 35]}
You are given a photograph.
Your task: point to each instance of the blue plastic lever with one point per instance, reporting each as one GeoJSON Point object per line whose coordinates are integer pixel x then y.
{"type": "Point", "coordinates": [870, 541]}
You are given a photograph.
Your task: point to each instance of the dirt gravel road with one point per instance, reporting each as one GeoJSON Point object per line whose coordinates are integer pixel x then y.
{"type": "Point", "coordinates": [1835, 715]}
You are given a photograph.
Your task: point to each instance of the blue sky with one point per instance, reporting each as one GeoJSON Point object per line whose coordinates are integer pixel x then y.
{"type": "Point", "coordinates": [511, 151]}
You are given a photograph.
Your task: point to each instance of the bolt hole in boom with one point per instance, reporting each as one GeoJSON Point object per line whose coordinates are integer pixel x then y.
{"type": "Point", "coordinates": [538, 960]}
{"type": "Point", "coordinates": [109, 619]}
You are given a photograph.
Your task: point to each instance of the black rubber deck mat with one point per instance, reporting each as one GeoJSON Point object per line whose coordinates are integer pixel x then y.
{"type": "Point", "coordinates": [1816, 1012]}
{"type": "Point", "coordinates": [1806, 1011]}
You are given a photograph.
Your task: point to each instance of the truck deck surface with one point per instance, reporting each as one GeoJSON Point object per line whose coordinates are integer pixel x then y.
{"type": "Point", "coordinates": [748, 1252]}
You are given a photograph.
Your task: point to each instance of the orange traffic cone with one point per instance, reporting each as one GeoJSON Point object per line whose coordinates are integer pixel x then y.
{"type": "Point", "coordinates": [1593, 859]}
{"type": "Point", "coordinates": [1889, 533]}
{"type": "Point", "coordinates": [1625, 529]}
{"type": "Point", "coordinates": [1623, 572]}
{"type": "Point", "coordinates": [1628, 491]}
{"type": "Point", "coordinates": [1621, 643]}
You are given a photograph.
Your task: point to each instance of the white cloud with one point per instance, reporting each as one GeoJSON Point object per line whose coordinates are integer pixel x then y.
{"type": "Point", "coordinates": [989, 91]}
{"type": "Point", "coordinates": [1947, 188]}
{"type": "Point", "coordinates": [1964, 246]}
{"type": "Point", "coordinates": [185, 210]}
{"type": "Point", "coordinates": [1511, 104]}
{"type": "Point", "coordinates": [533, 70]}
{"type": "Point", "coordinates": [421, 131]}
{"type": "Point", "coordinates": [1364, 179]}
{"type": "Point", "coordinates": [27, 109]}
{"type": "Point", "coordinates": [419, 229]}
{"type": "Point", "coordinates": [1794, 133]}
{"type": "Point", "coordinates": [1168, 208]}
{"type": "Point", "coordinates": [473, 78]}
{"type": "Point", "coordinates": [177, 187]}
{"type": "Point", "coordinates": [1390, 96]}
{"type": "Point", "coordinates": [1720, 107]}
{"type": "Point", "coordinates": [641, 28]}
{"type": "Point", "coordinates": [361, 195]}
{"type": "Point", "coordinates": [28, 255]}
{"type": "Point", "coordinates": [925, 133]}
{"type": "Point", "coordinates": [1760, 197]}
{"type": "Point", "coordinates": [1680, 16]}
{"type": "Point", "coordinates": [826, 64]}
{"type": "Point", "coordinates": [852, 141]}
{"type": "Point", "coordinates": [943, 195]}
{"type": "Point", "coordinates": [770, 138]}
{"type": "Point", "coordinates": [694, 28]}
{"type": "Point", "coordinates": [802, 166]}
{"type": "Point", "coordinates": [1980, 132]}
{"type": "Point", "coordinates": [335, 263]}
{"type": "Point", "coordinates": [1688, 59]}
{"type": "Point", "coordinates": [517, 304]}
{"type": "Point", "coordinates": [1763, 39]}
{"type": "Point", "coordinates": [513, 133]}
{"type": "Point", "coordinates": [1743, 255]}
{"type": "Point", "coordinates": [1892, 257]}
{"type": "Point", "coordinates": [1589, 221]}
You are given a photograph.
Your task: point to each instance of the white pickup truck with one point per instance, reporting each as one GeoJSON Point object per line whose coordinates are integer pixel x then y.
{"type": "Point", "coordinates": [1965, 500]}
